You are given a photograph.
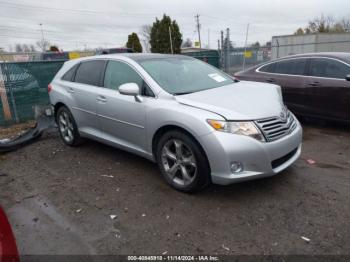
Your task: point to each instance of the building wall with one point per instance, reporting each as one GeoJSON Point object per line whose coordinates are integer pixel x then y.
{"type": "Point", "coordinates": [300, 44]}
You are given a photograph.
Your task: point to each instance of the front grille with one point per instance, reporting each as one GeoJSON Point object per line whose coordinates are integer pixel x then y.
{"type": "Point", "coordinates": [277, 162]}
{"type": "Point", "coordinates": [274, 128]}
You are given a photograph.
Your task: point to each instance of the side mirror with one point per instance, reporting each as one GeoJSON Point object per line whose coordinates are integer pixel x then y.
{"type": "Point", "coordinates": [347, 78]}
{"type": "Point", "coordinates": [130, 89]}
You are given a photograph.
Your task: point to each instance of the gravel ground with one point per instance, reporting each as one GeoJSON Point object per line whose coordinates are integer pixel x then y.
{"type": "Point", "coordinates": [59, 201]}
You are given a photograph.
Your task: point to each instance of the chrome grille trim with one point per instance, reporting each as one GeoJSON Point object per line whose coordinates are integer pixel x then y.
{"type": "Point", "coordinates": [275, 128]}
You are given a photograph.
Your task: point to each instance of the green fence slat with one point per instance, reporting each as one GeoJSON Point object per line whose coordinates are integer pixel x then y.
{"type": "Point", "coordinates": [27, 82]}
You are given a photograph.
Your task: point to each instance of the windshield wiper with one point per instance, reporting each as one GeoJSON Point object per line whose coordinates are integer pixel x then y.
{"type": "Point", "coordinates": [182, 93]}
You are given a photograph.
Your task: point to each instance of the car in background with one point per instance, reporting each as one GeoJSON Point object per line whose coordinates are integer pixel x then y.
{"type": "Point", "coordinates": [8, 246]}
{"type": "Point", "coordinates": [313, 85]}
{"type": "Point", "coordinates": [199, 124]}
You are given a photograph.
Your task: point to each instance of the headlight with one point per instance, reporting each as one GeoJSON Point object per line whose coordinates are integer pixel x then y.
{"type": "Point", "coordinates": [238, 128]}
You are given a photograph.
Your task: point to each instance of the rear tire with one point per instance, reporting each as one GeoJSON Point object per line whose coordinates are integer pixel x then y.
{"type": "Point", "coordinates": [182, 162]}
{"type": "Point", "coordinates": [67, 127]}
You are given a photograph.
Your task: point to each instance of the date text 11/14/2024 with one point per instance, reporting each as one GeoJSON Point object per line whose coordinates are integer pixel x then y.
{"type": "Point", "coordinates": [173, 258]}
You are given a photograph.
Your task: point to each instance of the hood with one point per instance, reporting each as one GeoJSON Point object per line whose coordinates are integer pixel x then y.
{"type": "Point", "coordinates": [239, 101]}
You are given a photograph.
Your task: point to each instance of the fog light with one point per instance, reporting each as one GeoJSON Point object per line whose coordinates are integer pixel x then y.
{"type": "Point", "coordinates": [236, 167]}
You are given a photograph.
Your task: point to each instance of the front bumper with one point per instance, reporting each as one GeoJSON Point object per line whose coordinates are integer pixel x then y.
{"type": "Point", "coordinates": [259, 159]}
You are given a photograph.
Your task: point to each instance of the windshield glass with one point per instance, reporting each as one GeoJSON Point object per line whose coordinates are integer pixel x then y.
{"type": "Point", "coordinates": [182, 75]}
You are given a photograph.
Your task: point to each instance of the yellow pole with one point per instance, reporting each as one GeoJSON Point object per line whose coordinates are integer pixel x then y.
{"type": "Point", "coordinates": [4, 100]}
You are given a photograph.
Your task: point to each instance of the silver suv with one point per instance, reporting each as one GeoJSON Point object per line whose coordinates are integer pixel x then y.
{"type": "Point", "coordinates": [199, 124]}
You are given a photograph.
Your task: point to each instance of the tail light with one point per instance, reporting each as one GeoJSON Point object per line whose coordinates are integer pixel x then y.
{"type": "Point", "coordinates": [49, 88]}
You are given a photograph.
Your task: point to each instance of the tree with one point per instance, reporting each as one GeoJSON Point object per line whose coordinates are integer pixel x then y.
{"type": "Point", "coordinates": [256, 45]}
{"type": "Point", "coordinates": [322, 24]}
{"type": "Point", "coordinates": [345, 23]}
{"type": "Point", "coordinates": [54, 48]}
{"type": "Point", "coordinates": [145, 32]}
{"type": "Point", "coordinates": [32, 48]}
{"type": "Point", "coordinates": [43, 45]}
{"type": "Point", "coordinates": [187, 43]}
{"type": "Point", "coordinates": [18, 48]}
{"type": "Point", "coordinates": [26, 48]}
{"type": "Point", "coordinates": [160, 37]}
{"type": "Point", "coordinates": [325, 24]}
{"type": "Point", "coordinates": [134, 43]}
{"type": "Point", "coordinates": [299, 31]}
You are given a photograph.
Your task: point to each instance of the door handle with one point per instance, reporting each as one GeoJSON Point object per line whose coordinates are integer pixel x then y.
{"type": "Point", "coordinates": [314, 84]}
{"type": "Point", "coordinates": [271, 80]}
{"type": "Point", "coordinates": [101, 99]}
{"type": "Point", "coordinates": [70, 90]}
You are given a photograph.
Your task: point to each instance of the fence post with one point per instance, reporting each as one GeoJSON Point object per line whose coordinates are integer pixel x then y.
{"type": "Point", "coordinates": [3, 95]}
{"type": "Point", "coordinates": [11, 93]}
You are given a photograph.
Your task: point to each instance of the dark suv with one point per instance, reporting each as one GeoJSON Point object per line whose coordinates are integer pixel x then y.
{"type": "Point", "coordinates": [315, 85]}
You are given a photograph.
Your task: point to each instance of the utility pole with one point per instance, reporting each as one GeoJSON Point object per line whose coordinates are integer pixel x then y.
{"type": "Point", "coordinates": [42, 37]}
{"type": "Point", "coordinates": [245, 46]}
{"type": "Point", "coordinates": [171, 41]}
{"type": "Point", "coordinates": [199, 31]}
{"type": "Point", "coordinates": [222, 51]}
{"type": "Point", "coordinates": [208, 38]}
{"type": "Point", "coordinates": [228, 47]}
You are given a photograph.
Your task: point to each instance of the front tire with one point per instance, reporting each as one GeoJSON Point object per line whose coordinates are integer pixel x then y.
{"type": "Point", "coordinates": [182, 162]}
{"type": "Point", "coordinates": [67, 127]}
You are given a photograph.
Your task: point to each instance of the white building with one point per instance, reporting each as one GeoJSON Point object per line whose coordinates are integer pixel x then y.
{"type": "Point", "coordinates": [309, 43]}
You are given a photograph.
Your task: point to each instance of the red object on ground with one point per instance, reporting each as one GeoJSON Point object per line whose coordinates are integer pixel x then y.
{"type": "Point", "coordinates": [8, 247]}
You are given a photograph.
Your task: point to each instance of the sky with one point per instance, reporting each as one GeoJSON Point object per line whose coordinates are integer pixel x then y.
{"type": "Point", "coordinates": [83, 24]}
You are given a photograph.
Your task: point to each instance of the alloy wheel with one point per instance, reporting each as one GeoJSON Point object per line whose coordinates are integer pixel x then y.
{"type": "Point", "coordinates": [179, 162]}
{"type": "Point", "coordinates": [66, 127]}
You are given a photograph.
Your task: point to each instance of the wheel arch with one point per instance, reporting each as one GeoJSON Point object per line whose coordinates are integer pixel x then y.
{"type": "Point", "coordinates": [170, 127]}
{"type": "Point", "coordinates": [57, 106]}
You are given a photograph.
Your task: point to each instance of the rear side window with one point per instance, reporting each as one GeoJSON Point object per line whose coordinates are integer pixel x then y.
{"type": "Point", "coordinates": [68, 76]}
{"type": "Point", "coordinates": [322, 67]}
{"type": "Point", "coordinates": [90, 72]}
{"type": "Point", "coordinates": [268, 68]}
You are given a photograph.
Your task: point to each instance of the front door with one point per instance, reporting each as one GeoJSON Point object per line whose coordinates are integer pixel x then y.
{"type": "Point", "coordinates": [123, 118]}
{"type": "Point", "coordinates": [329, 92]}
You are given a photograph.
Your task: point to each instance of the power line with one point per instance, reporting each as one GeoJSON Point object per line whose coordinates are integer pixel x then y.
{"type": "Point", "coordinates": [115, 26]}
{"type": "Point", "coordinates": [85, 11]}
{"type": "Point", "coordinates": [16, 5]}
{"type": "Point", "coordinates": [53, 39]}
{"type": "Point", "coordinates": [10, 29]}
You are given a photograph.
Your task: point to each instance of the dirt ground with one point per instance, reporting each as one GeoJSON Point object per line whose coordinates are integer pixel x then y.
{"type": "Point", "coordinates": [60, 199]}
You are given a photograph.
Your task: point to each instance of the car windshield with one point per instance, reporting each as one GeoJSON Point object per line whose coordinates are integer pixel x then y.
{"type": "Point", "coordinates": [182, 75]}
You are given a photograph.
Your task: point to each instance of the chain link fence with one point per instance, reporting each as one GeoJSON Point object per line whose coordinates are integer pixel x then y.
{"type": "Point", "coordinates": [237, 59]}
{"type": "Point", "coordinates": [22, 86]}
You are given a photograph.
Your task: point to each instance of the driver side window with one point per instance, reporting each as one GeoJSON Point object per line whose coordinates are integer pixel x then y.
{"type": "Point", "coordinates": [118, 73]}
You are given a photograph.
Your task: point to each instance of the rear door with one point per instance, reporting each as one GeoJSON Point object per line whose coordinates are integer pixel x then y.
{"type": "Point", "coordinates": [83, 93]}
{"type": "Point", "coordinates": [330, 96]}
